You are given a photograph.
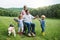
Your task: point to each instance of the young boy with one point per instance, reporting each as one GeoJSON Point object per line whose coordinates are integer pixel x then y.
{"type": "Point", "coordinates": [42, 21]}
{"type": "Point", "coordinates": [11, 29]}
{"type": "Point", "coordinates": [20, 24]}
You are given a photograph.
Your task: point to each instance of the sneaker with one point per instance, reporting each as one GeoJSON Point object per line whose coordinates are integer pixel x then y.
{"type": "Point", "coordinates": [43, 33]}
{"type": "Point", "coordinates": [33, 34]}
{"type": "Point", "coordinates": [18, 32]}
{"type": "Point", "coordinates": [29, 34]}
{"type": "Point", "coordinates": [24, 32]}
{"type": "Point", "coordinates": [21, 33]}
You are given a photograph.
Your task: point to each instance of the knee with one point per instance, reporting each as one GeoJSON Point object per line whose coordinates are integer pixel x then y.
{"type": "Point", "coordinates": [33, 24]}
{"type": "Point", "coordinates": [27, 24]}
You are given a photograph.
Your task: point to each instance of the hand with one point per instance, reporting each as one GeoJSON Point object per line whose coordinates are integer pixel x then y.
{"type": "Point", "coordinates": [37, 16]}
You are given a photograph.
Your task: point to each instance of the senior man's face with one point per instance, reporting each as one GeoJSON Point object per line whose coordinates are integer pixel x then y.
{"type": "Point", "coordinates": [27, 12]}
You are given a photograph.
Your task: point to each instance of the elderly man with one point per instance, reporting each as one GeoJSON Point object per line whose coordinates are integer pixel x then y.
{"type": "Point", "coordinates": [28, 21]}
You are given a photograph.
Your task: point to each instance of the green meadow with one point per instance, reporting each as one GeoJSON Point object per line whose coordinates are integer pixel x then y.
{"type": "Point", "coordinates": [52, 29]}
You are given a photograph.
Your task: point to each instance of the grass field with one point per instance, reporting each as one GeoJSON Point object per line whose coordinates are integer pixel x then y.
{"type": "Point", "coordinates": [52, 30]}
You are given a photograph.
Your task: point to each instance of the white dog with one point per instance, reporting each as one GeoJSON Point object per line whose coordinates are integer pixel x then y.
{"type": "Point", "coordinates": [11, 29]}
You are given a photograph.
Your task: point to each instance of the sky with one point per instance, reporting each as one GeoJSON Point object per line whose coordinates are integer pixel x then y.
{"type": "Point", "coordinates": [28, 3]}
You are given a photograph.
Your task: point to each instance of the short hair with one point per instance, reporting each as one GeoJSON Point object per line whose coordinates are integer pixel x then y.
{"type": "Point", "coordinates": [19, 16]}
{"type": "Point", "coordinates": [43, 16]}
{"type": "Point", "coordinates": [26, 10]}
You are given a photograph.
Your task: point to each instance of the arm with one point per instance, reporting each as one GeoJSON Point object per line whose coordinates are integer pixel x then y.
{"type": "Point", "coordinates": [16, 20]}
{"type": "Point", "coordinates": [22, 13]}
{"type": "Point", "coordinates": [38, 17]}
{"type": "Point", "coordinates": [33, 17]}
{"type": "Point", "coordinates": [24, 17]}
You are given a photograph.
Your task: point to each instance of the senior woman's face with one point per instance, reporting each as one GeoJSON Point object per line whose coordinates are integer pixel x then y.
{"type": "Point", "coordinates": [25, 7]}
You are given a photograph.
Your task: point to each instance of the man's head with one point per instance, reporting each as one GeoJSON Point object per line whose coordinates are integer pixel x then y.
{"type": "Point", "coordinates": [27, 12]}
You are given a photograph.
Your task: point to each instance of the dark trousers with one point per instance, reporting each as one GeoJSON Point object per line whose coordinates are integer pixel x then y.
{"type": "Point", "coordinates": [25, 28]}
{"type": "Point", "coordinates": [30, 27]}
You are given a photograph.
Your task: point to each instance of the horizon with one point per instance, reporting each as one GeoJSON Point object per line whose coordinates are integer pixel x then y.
{"type": "Point", "coordinates": [28, 3]}
{"type": "Point", "coordinates": [31, 7]}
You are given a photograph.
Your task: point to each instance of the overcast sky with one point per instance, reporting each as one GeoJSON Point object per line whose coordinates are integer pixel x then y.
{"type": "Point", "coordinates": [29, 3]}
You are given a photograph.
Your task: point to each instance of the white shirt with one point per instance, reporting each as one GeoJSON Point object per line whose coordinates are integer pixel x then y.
{"type": "Point", "coordinates": [28, 18]}
{"type": "Point", "coordinates": [20, 22]}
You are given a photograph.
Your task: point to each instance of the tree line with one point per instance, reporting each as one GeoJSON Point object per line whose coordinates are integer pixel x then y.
{"type": "Point", "coordinates": [52, 11]}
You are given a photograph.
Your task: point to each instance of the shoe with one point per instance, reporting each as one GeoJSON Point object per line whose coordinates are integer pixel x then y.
{"type": "Point", "coordinates": [18, 32]}
{"type": "Point", "coordinates": [33, 34]}
{"type": "Point", "coordinates": [29, 34]}
{"type": "Point", "coordinates": [43, 33]}
{"type": "Point", "coordinates": [24, 32]}
{"type": "Point", "coordinates": [21, 33]}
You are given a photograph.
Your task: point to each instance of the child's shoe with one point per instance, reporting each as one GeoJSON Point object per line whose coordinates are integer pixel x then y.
{"type": "Point", "coordinates": [18, 32]}
{"type": "Point", "coordinates": [43, 33]}
{"type": "Point", "coordinates": [21, 33]}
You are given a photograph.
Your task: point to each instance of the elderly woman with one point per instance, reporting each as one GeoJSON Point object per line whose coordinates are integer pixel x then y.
{"type": "Point", "coordinates": [23, 13]}
{"type": "Point", "coordinates": [28, 21]}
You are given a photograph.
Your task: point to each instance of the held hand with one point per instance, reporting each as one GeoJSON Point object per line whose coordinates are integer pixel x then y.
{"type": "Point", "coordinates": [37, 16]}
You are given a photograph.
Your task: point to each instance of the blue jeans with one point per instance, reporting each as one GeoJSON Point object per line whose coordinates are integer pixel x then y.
{"type": "Point", "coordinates": [42, 28]}
{"type": "Point", "coordinates": [31, 27]}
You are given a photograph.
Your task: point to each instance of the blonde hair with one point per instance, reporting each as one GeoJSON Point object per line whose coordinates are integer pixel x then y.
{"type": "Point", "coordinates": [43, 16]}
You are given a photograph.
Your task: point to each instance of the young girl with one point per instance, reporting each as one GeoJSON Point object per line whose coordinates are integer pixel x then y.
{"type": "Point", "coordinates": [11, 29]}
{"type": "Point", "coordinates": [42, 21]}
{"type": "Point", "coordinates": [20, 24]}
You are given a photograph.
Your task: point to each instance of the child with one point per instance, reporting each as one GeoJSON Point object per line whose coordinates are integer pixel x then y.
{"type": "Point", "coordinates": [42, 21]}
{"type": "Point", "coordinates": [11, 29]}
{"type": "Point", "coordinates": [20, 24]}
